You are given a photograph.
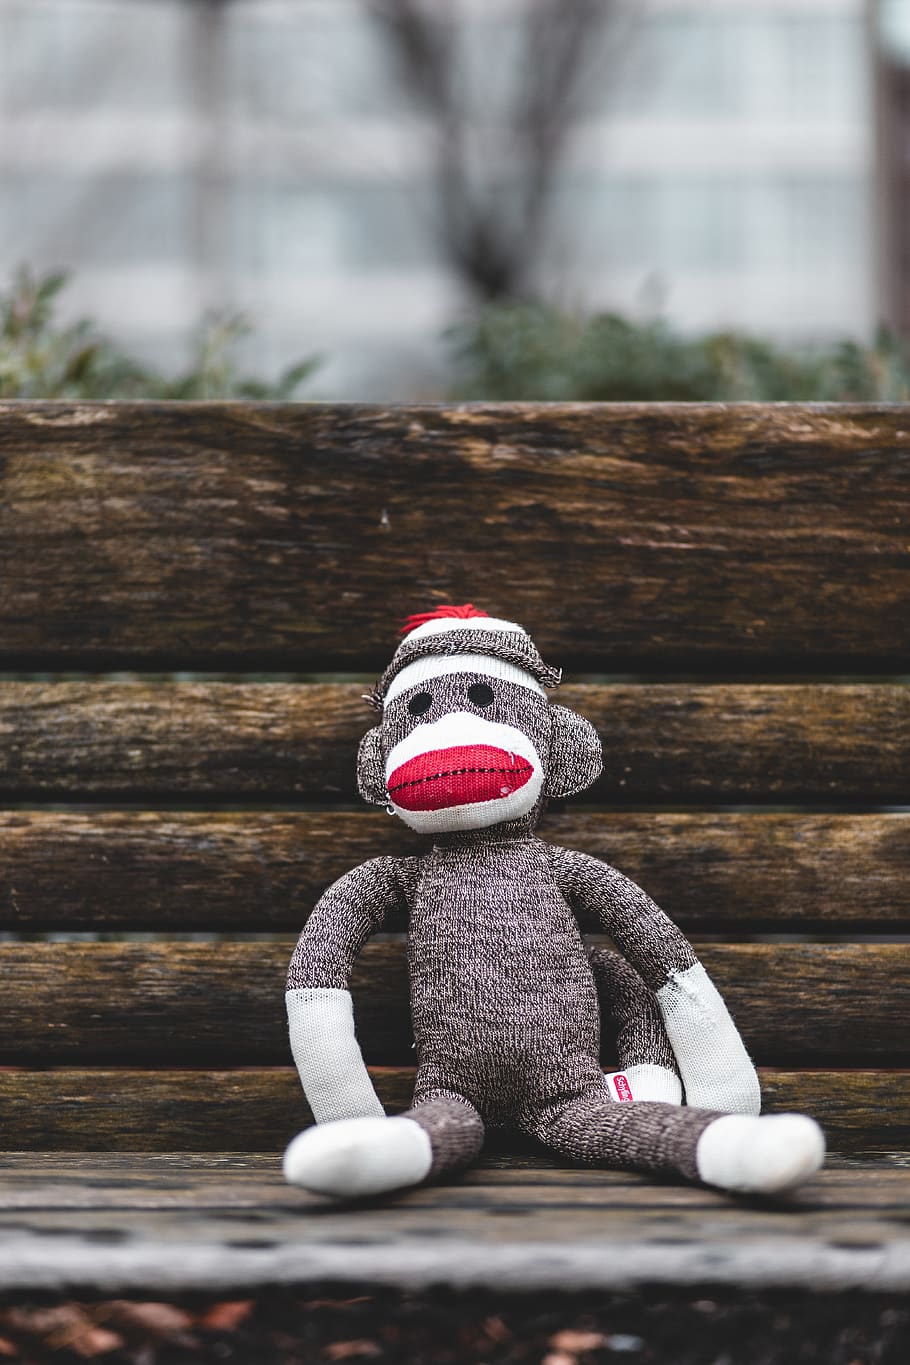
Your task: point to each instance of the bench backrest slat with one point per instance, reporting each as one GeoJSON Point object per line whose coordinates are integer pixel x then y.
{"type": "Point", "coordinates": [262, 871]}
{"type": "Point", "coordinates": [667, 742]}
{"type": "Point", "coordinates": [660, 533]}
{"type": "Point", "coordinates": [219, 1004]}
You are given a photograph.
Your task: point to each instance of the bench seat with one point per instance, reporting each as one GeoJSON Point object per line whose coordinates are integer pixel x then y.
{"type": "Point", "coordinates": [168, 1223]}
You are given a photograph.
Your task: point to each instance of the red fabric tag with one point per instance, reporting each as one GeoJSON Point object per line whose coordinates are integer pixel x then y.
{"type": "Point", "coordinates": [622, 1087]}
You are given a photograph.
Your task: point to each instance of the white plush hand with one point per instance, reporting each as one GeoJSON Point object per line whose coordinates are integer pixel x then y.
{"type": "Point", "coordinates": [717, 1072]}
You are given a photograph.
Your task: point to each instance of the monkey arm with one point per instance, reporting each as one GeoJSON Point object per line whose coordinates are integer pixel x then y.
{"type": "Point", "coordinates": [320, 1010]}
{"type": "Point", "coordinates": [716, 1070]}
{"type": "Point", "coordinates": [647, 1062]}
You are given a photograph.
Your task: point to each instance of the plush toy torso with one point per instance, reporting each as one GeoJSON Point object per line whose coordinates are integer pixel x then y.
{"type": "Point", "coordinates": [503, 1000]}
{"type": "Point", "coordinates": [504, 1005]}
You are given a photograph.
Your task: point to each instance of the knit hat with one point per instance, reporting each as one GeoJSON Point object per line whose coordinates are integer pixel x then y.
{"type": "Point", "coordinates": [462, 639]}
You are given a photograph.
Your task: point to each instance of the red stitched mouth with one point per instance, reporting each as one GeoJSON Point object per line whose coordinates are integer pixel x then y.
{"type": "Point", "coordinates": [459, 776]}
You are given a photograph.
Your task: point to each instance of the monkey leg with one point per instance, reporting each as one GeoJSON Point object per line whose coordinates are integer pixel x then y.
{"type": "Point", "coordinates": [454, 1128]}
{"type": "Point", "coordinates": [354, 1158]}
{"type": "Point", "coordinates": [647, 1066]}
{"type": "Point", "coordinates": [659, 1139]}
{"type": "Point", "coordinates": [730, 1151]}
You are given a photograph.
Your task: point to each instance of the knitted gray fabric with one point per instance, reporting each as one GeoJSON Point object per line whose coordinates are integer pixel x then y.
{"type": "Point", "coordinates": [644, 934]}
{"type": "Point", "coordinates": [591, 1129]}
{"type": "Point", "coordinates": [455, 1130]}
{"type": "Point", "coordinates": [630, 1011]}
{"type": "Point", "coordinates": [510, 646]}
{"type": "Point", "coordinates": [503, 999]}
{"type": "Point", "coordinates": [659, 1139]}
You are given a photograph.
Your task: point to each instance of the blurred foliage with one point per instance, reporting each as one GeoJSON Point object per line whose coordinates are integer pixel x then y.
{"type": "Point", "coordinates": [533, 351]}
{"type": "Point", "coordinates": [41, 357]}
{"type": "Point", "coordinates": [508, 351]}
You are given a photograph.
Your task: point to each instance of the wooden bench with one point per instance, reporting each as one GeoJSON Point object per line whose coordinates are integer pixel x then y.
{"type": "Point", "coordinates": [191, 598]}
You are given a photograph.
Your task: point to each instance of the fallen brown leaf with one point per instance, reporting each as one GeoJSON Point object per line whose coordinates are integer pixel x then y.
{"type": "Point", "coordinates": [338, 1303]}
{"type": "Point", "coordinates": [95, 1341]}
{"type": "Point", "coordinates": [41, 1322]}
{"type": "Point", "coordinates": [226, 1316]}
{"type": "Point", "coordinates": [495, 1329]}
{"type": "Point", "coordinates": [66, 1327]}
{"type": "Point", "coordinates": [162, 1320]}
{"type": "Point", "coordinates": [351, 1350]}
{"type": "Point", "coordinates": [8, 1348]}
{"type": "Point", "coordinates": [575, 1342]}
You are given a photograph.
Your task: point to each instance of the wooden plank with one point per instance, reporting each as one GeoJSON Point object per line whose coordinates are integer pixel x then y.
{"type": "Point", "coordinates": [859, 1110]}
{"type": "Point", "coordinates": [747, 742]}
{"type": "Point", "coordinates": [664, 533]}
{"type": "Point", "coordinates": [259, 1110]}
{"type": "Point", "coordinates": [264, 870]}
{"type": "Point", "coordinates": [128, 1223]}
{"type": "Point", "coordinates": [186, 1179]}
{"type": "Point", "coordinates": [277, 741]}
{"type": "Point", "coordinates": [119, 1253]}
{"type": "Point", "coordinates": [208, 1003]}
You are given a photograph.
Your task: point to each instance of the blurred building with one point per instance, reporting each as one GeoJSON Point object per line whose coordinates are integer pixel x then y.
{"type": "Point", "coordinates": [261, 155]}
{"type": "Point", "coordinates": [892, 83]}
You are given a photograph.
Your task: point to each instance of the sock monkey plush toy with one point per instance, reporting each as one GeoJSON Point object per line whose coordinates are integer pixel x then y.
{"type": "Point", "coordinates": [504, 995]}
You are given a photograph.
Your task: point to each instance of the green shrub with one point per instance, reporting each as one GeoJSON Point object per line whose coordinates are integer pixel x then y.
{"type": "Point", "coordinates": [532, 351]}
{"type": "Point", "coordinates": [42, 358]}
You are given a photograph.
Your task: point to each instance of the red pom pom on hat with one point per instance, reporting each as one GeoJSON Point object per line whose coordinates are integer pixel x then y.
{"type": "Point", "coordinates": [441, 613]}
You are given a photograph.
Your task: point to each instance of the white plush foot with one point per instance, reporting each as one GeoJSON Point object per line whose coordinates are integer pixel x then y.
{"type": "Point", "coordinates": [759, 1155]}
{"type": "Point", "coordinates": [352, 1158]}
{"type": "Point", "coordinates": [644, 1082]}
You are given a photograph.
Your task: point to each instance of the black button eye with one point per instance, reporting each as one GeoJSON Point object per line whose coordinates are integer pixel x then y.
{"type": "Point", "coordinates": [480, 694]}
{"type": "Point", "coordinates": [420, 702]}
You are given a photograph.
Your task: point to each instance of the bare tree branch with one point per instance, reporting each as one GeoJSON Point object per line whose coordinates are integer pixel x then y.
{"type": "Point", "coordinates": [494, 199]}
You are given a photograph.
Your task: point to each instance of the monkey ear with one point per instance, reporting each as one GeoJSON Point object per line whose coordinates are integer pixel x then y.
{"type": "Point", "coordinates": [371, 769]}
{"type": "Point", "coordinates": [576, 757]}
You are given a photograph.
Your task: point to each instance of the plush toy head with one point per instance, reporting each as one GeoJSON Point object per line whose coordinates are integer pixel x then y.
{"type": "Point", "coordinates": [468, 738]}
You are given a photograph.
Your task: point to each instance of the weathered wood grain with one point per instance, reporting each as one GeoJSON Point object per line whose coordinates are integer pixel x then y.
{"type": "Point", "coordinates": [264, 870]}
{"type": "Point", "coordinates": [292, 534]}
{"type": "Point", "coordinates": [66, 1179]}
{"type": "Point", "coordinates": [178, 1178]}
{"type": "Point", "coordinates": [749, 742]}
{"type": "Point", "coordinates": [662, 742]}
{"type": "Point", "coordinates": [259, 1110]}
{"type": "Point", "coordinates": [865, 1111]}
{"type": "Point", "coordinates": [190, 1003]}
{"type": "Point", "coordinates": [138, 1222]}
